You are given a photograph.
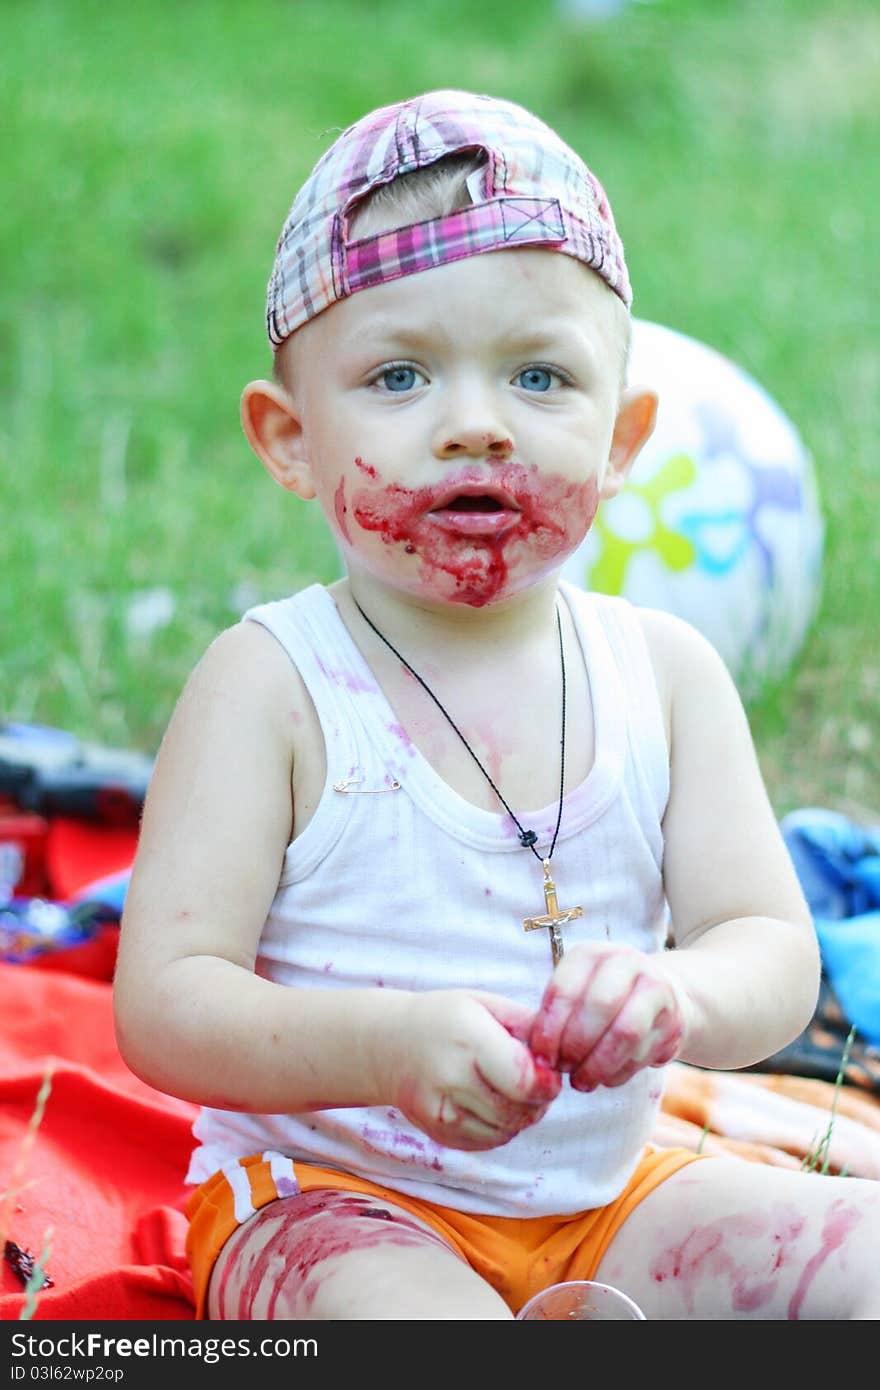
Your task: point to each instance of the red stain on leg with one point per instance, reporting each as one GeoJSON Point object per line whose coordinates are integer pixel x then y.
{"type": "Point", "coordinates": [838, 1223]}
{"type": "Point", "coordinates": [325, 1225]}
{"type": "Point", "coordinates": [232, 1266]}
{"type": "Point", "coordinates": [709, 1253]}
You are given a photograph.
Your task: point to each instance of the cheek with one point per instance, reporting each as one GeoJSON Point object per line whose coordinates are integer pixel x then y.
{"type": "Point", "coordinates": [340, 511]}
{"type": "Point", "coordinates": [587, 505]}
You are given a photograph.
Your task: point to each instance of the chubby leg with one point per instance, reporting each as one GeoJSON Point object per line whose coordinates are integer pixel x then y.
{"type": "Point", "coordinates": [727, 1238]}
{"type": "Point", "coordinates": [329, 1254]}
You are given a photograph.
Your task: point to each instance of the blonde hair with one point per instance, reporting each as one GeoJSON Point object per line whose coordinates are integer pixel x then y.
{"type": "Point", "coordinates": [434, 191]}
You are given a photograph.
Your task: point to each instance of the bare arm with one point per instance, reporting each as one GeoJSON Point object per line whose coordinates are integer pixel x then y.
{"type": "Point", "coordinates": [743, 977]}
{"type": "Point", "coordinates": [746, 953]}
{"type": "Point", "coordinates": [194, 1019]}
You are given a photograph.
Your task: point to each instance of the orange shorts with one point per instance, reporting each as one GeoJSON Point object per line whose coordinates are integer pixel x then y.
{"type": "Point", "coordinates": [517, 1256]}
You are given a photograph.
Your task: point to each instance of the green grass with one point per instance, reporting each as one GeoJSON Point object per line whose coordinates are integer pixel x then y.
{"type": "Point", "coordinates": [820, 1154]}
{"type": "Point", "coordinates": [150, 153]}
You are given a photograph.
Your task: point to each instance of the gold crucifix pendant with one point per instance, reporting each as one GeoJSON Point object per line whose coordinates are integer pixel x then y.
{"type": "Point", "coordinates": [554, 917]}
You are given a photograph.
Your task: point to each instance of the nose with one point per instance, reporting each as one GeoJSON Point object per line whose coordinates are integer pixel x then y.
{"type": "Point", "coordinates": [471, 427]}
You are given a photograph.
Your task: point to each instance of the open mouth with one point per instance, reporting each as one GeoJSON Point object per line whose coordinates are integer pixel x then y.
{"type": "Point", "coordinates": [473, 512]}
{"type": "Point", "coordinates": [463, 503]}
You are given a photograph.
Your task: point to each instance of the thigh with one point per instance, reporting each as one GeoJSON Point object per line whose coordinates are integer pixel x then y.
{"type": "Point", "coordinates": [334, 1254]}
{"type": "Point", "coordinates": [728, 1238]}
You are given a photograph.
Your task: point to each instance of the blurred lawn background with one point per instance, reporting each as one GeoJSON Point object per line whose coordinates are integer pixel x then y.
{"type": "Point", "coordinates": [149, 155]}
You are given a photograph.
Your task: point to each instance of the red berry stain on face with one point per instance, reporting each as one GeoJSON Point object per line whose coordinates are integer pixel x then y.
{"type": "Point", "coordinates": [366, 468]}
{"type": "Point", "coordinates": [341, 507]}
{"type": "Point", "coordinates": [548, 517]}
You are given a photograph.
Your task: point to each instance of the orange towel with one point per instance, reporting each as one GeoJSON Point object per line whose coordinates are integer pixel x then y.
{"type": "Point", "coordinates": [774, 1119]}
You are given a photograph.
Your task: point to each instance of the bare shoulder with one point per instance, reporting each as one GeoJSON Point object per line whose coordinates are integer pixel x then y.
{"type": "Point", "coordinates": [672, 640]}
{"type": "Point", "coordinates": [235, 725]}
{"type": "Point", "coordinates": [219, 809]}
{"type": "Point", "coordinates": [686, 664]}
{"type": "Point", "coordinates": [248, 667]}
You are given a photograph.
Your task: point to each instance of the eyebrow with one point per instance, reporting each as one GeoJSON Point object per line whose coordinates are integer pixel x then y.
{"type": "Point", "coordinates": [383, 329]}
{"type": "Point", "coordinates": [555, 336]}
{"type": "Point", "coordinates": [533, 339]}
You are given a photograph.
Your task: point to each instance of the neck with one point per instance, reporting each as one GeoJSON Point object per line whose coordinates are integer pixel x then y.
{"type": "Point", "coordinates": [528, 838]}
{"type": "Point", "coordinates": [418, 624]}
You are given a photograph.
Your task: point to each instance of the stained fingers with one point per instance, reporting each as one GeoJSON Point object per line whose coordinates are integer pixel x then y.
{"type": "Point", "coordinates": [607, 1012]}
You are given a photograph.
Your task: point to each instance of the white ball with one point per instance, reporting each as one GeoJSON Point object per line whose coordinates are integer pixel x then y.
{"type": "Point", "coordinates": [720, 521]}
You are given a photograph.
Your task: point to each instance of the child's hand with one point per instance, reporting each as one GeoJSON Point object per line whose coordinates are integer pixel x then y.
{"type": "Point", "coordinates": [464, 1073]}
{"type": "Point", "coordinates": [607, 1012]}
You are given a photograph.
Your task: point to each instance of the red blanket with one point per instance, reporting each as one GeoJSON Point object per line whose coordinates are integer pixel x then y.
{"type": "Point", "coordinates": [102, 1171]}
{"type": "Point", "coordinates": [92, 1160]}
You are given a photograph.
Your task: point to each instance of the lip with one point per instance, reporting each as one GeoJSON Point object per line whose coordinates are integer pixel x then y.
{"type": "Point", "coordinates": [471, 523]}
{"type": "Point", "coordinates": [474, 487]}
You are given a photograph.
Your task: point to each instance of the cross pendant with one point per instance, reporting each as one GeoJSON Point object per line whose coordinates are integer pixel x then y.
{"type": "Point", "coordinates": [554, 917]}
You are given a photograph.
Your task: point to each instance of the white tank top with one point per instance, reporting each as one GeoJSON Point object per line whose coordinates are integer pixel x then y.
{"type": "Point", "coordinates": [419, 889]}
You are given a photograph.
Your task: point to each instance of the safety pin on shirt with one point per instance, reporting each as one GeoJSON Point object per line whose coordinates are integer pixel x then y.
{"type": "Point", "coordinates": [350, 784]}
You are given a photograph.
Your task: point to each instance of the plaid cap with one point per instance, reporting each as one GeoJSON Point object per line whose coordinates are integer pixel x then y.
{"type": "Point", "coordinates": [531, 190]}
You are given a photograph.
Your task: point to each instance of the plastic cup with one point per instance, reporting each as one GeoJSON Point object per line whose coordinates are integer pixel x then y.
{"type": "Point", "coordinates": [580, 1300]}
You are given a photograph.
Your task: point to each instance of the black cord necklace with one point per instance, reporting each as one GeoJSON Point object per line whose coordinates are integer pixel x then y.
{"type": "Point", "coordinates": [553, 918]}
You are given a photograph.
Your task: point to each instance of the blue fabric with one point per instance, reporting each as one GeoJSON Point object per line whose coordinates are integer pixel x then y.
{"type": "Point", "coordinates": [108, 892]}
{"type": "Point", "coordinates": [838, 864]}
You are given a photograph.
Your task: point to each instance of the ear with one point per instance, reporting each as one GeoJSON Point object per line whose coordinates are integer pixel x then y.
{"type": "Point", "coordinates": [636, 417]}
{"type": "Point", "coordinates": [274, 431]}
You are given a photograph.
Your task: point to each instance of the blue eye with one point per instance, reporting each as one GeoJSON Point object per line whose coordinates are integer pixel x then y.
{"type": "Point", "coordinates": [535, 379]}
{"type": "Point", "coordinates": [398, 379]}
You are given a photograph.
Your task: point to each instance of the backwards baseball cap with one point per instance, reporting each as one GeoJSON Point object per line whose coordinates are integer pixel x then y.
{"type": "Point", "coordinates": [530, 190]}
